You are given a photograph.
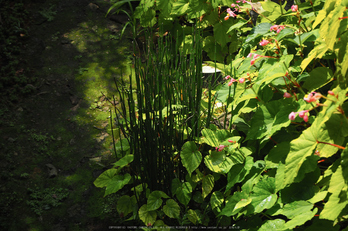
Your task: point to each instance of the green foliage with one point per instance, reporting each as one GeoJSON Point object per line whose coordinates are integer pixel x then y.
{"type": "Point", "coordinates": [15, 78]}
{"type": "Point", "coordinates": [44, 199]}
{"type": "Point", "coordinates": [277, 158]}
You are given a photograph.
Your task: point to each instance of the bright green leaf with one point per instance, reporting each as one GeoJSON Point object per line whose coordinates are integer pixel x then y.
{"type": "Point", "coordinates": [207, 185]}
{"type": "Point", "coordinates": [171, 209]}
{"type": "Point", "coordinates": [264, 195]}
{"type": "Point", "coordinates": [154, 200]}
{"type": "Point", "coordinates": [190, 156]}
{"type": "Point", "coordinates": [148, 217]}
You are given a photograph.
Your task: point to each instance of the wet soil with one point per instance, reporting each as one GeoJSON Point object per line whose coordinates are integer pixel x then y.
{"type": "Point", "coordinates": [56, 141]}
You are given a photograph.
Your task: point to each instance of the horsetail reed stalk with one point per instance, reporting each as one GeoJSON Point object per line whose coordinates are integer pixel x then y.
{"type": "Point", "coordinates": [165, 109]}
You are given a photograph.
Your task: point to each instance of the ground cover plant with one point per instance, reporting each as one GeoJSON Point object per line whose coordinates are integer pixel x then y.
{"type": "Point", "coordinates": [270, 151]}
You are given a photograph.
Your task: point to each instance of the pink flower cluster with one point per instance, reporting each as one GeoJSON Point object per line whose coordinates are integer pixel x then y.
{"type": "Point", "coordinates": [230, 14]}
{"type": "Point", "coordinates": [287, 95]}
{"type": "Point", "coordinates": [264, 42]}
{"type": "Point", "coordinates": [294, 8]}
{"type": "Point", "coordinates": [277, 28]}
{"type": "Point", "coordinates": [254, 56]}
{"type": "Point", "coordinates": [302, 114]}
{"type": "Point", "coordinates": [312, 97]}
{"type": "Point", "coordinates": [220, 148]}
{"type": "Point", "coordinates": [240, 80]}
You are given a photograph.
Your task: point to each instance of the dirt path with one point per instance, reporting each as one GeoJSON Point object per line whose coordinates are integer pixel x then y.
{"type": "Point", "coordinates": [57, 140]}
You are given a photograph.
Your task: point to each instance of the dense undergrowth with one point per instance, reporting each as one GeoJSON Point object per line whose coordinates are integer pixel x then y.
{"type": "Point", "coordinates": [270, 151]}
{"type": "Point", "coordinates": [16, 79]}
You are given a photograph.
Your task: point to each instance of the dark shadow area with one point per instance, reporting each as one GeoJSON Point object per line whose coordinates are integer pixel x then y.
{"type": "Point", "coordinates": [56, 140]}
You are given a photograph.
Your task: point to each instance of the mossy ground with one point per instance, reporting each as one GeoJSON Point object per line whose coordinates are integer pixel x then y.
{"type": "Point", "coordinates": [65, 121]}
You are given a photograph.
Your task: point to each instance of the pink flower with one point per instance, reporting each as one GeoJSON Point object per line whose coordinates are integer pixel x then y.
{"type": "Point", "coordinates": [230, 13]}
{"type": "Point", "coordinates": [331, 93]}
{"type": "Point", "coordinates": [227, 17]}
{"type": "Point", "coordinates": [264, 42]}
{"type": "Point", "coordinates": [241, 80]}
{"type": "Point", "coordinates": [305, 118]}
{"type": "Point", "coordinates": [294, 8]}
{"type": "Point", "coordinates": [287, 95]}
{"type": "Point", "coordinates": [231, 82]}
{"type": "Point", "coordinates": [312, 97]}
{"type": "Point", "coordinates": [252, 62]}
{"type": "Point", "coordinates": [274, 28]}
{"type": "Point", "coordinates": [227, 77]}
{"type": "Point", "coordinates": [301, 114]}
{"type": "Point", "coordinates": [220, 148]}
{"type": "Point", "coordinates": [277, 28]}
{"type": "Point", "coordinates": [231, 141]}
{"type": "Point", "coordinates": [292, 116]}
{"type": "Point", "coordinates": [254, 56]}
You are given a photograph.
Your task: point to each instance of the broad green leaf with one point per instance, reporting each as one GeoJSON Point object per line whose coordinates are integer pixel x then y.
{"type": "Point", "coordinates": [332, 133]}
{"type": "Point", "coordinates": [195, 216]}
{"type": "Point", "coordinates": [226, 92]}
{"type": "Point", "coordinates": [180, 7]}
{"type": "Point", "coordinates": [279, 178]}
{"type": "Point", "coordinates": [237, 25]}
{"type": "Point", "coordinates": [160, 226]}
{"type": "Point", "coordinates": [183, 193]}
{"type": "Point", "coordinates": [148, 217]}
{"type": "Point", "coordinates": [117, 183]}
{"type": "Point", "coordinates": [318, 197]}
{"type": "Point", "coordinates": [125, 204]}
{"type": "Point", "coordinates": [104, 178]}
{"type": "Point", "coordinates": [272, 9]}
{"type": "Point", "coordinates": [300, 219]}
{"type": "Point", "coordinates": [285, 32]}
{"type": "Point", "coordinates": [190, 156]}
{"type": "Point", "coordinates": [238, 172]}
{"type": "Point", "coordinates": [207, 185]}
{"type": "Point", "coordinates": [220, 32]}
{"type": "Point", "coordinates": [264, 195]}
{"type": "Point", "coordinates": [269, 225]}
{"type": "Point", "coordinates": [216, 200]}
{"type": "Point", "coordinates": [154, 200]}
{"type": "Point", "coordinates": [294, 209]}
{"type": "Point", "coordinates": [218, 162]}
{"type": "Point", "coordinates": [242, 203]}
{"type": "Point", "coordinates": [277, 155]}
{"type": "Point", "coordinates": [176, 183]}
{"type": "Point", "coordinates": [330, 26]}
{"type": "Point", "coordinates": [270, 118]}
{"type": "Point", "coordinates": [311, 36]}
{"type": "Point", "coordinates": [318, 78]}
{"type": "Point", "coordinates": [230, 207]}
{"type": "Point", "coordinates": [300, 148]}
{"type": "Point", "coordinates": [112, 182]}
{"type": "Point", "coordinates": [148, 18]}
{"type": "Point", "coordinates": [171, 209]}
{"type": "Point", "coordinates": [316, 53]}
{"type": "Point", "coordinates": [165, 6]}
{"type": "Point", "coordinates": [124, 161]}
{"type": "Point", "coordinates": [259, 30]}
{"type": "Point", "coordinates": [122, 145]}
{"type": "Point", "coordinates": [333, 207]}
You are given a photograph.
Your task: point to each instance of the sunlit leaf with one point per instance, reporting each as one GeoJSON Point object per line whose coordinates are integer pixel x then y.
{"type": "Point", "coordinates": [207, 185]}
{"type": "Point", "coordinates": [154, 200]}
{"type": "Point", "coordinates": [148, 217]}
{"type": "Point", "coordinates": [264, 195]}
